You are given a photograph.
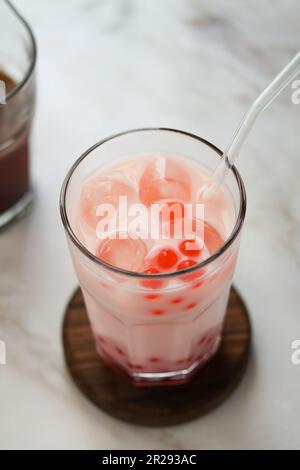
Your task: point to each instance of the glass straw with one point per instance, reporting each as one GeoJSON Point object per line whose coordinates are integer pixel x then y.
{"type": "Point", "coordinates": [259, 105]}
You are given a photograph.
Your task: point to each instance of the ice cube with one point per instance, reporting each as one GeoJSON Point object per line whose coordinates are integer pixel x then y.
{"type": "Point", "coordinates": [124, 253]}
{"type": "Point", "coordinates": [100, 190]}
{"type": "Point", "coordinates": [164, 178]}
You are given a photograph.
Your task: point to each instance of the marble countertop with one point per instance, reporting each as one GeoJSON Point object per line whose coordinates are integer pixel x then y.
{"type": "Point", "coordinates": [106, 66]}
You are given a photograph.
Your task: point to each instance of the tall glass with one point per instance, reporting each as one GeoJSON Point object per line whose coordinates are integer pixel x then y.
{"type": "Point", "coordinates": [17, 99]}
{"type": "Point", "coordinates": [154, 349]}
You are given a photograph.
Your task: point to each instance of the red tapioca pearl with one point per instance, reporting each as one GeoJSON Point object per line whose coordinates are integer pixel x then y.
{"type": "Point", "coordinates": [190, 248]}
{"type": "Point", "coordinates": [187, 263]}
{"type": "Point", "coordinates": [101, 339]}
{"type": "Point", "coordinates": [154, 360]}
{"type": "Point", "coordinates": [104, 285]}
{"type": "Point", "coordinates": [152, 283]}
{"type": "Point", "coordinates": [211, 339]}
{"type": "Point", "coordinates": [202, 340]}
{"type": "Point", "coordinates": [152, 296]}
{"type": "Point", "coordinates": [197, 285]}
{"type": "Point", "coordinates": [184, 361]}
{"type": "Point", "coordinates": [134, 366]}
{"type": "Point", "coordinates": [181, 361]}
{"type": "Point", "coordinates": [208, 339]}
{"type": "Point", "coordinates": [167, 258]}
{"type": "Point", "coordinates": [177, 300]}
{"type": "Point", "coordinates": [191, 306]}
{"type": "Point", "coordinates": [120, 351]}
{"type": "Point", "coordinates": [158, 311]}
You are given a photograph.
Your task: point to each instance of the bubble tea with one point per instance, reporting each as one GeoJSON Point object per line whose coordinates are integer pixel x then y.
{"type": "Point", "coordinates": [155, 282]}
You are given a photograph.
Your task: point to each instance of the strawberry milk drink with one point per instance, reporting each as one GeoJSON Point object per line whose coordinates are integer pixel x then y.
{"type": "Point", "coordinates": [154, 261]}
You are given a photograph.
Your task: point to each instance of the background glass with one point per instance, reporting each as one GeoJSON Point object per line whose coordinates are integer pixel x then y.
{"type": "Point", "coordinates": [17, 64]}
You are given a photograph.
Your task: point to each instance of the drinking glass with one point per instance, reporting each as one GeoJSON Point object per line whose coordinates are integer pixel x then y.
{"type": "Point", "coordinates": [170, 347]}
{"type": "Point", "coordinates": [17, 100]}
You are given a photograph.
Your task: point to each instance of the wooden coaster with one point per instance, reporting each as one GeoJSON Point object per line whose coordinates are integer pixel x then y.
{"type": "Point", "coordinates": [156, 406]}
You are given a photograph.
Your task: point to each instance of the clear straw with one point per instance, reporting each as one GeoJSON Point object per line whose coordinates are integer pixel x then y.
{"type": "Point", "coordinates": [259, 105]}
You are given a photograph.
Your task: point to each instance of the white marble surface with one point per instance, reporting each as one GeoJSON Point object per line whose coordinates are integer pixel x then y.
{"type": "Point", "coordinates": [105, 66]}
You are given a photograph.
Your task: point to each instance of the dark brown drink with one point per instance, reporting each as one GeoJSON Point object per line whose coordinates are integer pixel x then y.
{"type": "Point", "coordinates": [17, 103]}
{"type": "Point", "coordinates": [14, 158]}
{"type": "Point", "coordinates": [14, 144]}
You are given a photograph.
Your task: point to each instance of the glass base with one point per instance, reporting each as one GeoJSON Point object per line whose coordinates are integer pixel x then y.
{"type": "Point", "coordinates": [17, 211]}
{"type": "Point", "coordinates": [151, 379]}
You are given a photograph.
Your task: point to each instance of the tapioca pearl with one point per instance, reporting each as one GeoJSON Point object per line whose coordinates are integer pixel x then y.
{"type": "Point", "coordinates": [152, 283]}
{"type": "Point", "coordinates": [211, 340]}
{"type": "Point", "coordinates": [101, 339]}
{"type": "Point", "coordinates": [176, 300]}
{"type": "Point", "coordinates": [134, 366]}
{"type": "Point", "coordinates": [138, 367]}
{"type": "Point", "coordinates": [154, 360]}
{"type": "Point", "coordinates": [120, 351]}
{"type": "Point", "coordinates": [167, 258]}
{"type": "Point", "coordinates": [158, 311]}
{"type": "Point", "coordinates": [185, 361]}
{"type": "Point", "coordinates": [104, 285]}
{"type": "Point", "coordinates": [190, 248]}
{"type": "Point", "coordinates": [202, 340]}
{"type": "Point", "coordinates": [187, 263]}
{"type": "Point", "coordinates": [197, 285]}
{"type": "Point", "coordinates": [208, 340]}
{"type": "Point", "coordinates": [181, 361]}
{"type": "Point", "coordinates": [152, 296]}
{"type": "Point", "coordinates": [191, 306]}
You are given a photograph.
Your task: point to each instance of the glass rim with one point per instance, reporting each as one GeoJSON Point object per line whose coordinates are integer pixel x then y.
{"type": "Point", "coordinates": [31, 67]}
{"type": "Point", "coordinates": [236, 230]}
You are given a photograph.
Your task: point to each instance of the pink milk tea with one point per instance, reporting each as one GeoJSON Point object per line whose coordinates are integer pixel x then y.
{"type": "Point", "coordinates": [156, 314]}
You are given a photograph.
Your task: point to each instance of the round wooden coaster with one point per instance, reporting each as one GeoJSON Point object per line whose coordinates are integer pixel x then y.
{"type": "Point", "coordinates": [156, 406]}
